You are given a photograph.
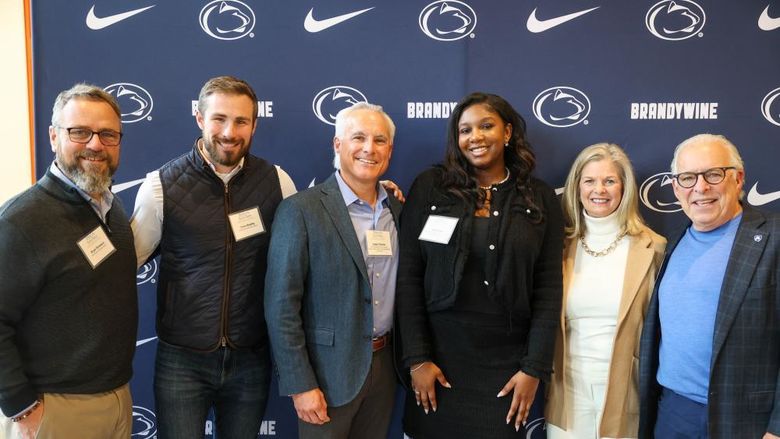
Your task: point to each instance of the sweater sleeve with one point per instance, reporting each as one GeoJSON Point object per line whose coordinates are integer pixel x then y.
{"type": "Point", "coordinates": [547, 292]}
{"type": "Point", "coordinates": [20, 281]}
{"type": "Point", "coordinates": [410, 287]}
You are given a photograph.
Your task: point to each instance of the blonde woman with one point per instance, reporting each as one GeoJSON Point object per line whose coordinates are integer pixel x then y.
{"type": "Point", "coordinates": [610, 261]}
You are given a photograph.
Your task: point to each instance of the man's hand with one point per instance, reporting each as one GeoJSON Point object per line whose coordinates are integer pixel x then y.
{"type": "Point", "coordinates": [769, 435]}
{"type": "Point", "coordinates": [311, 406]}
{"type": "Point", "coordinates": [389, 185]}
{"type": "Point", "coordinates": [29, 426]}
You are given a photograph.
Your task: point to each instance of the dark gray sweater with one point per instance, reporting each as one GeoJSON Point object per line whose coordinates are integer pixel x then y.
{"type": "Point", "coordinates": [64, 326]}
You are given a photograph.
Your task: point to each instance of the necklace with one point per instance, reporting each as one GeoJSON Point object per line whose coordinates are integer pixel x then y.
{"type": "Point", "coordinates": [499, 183]}
{"type": "Point", "coordinates": [606, 251]}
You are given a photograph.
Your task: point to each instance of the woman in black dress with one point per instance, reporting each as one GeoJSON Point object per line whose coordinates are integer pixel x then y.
{"type": "Point", "coordinates": [479, 279]}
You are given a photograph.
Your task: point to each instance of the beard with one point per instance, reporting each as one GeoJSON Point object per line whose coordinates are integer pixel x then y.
{"type": "Point", "coordinates": [225, 158]}
{"type": "Point", "coordinates": [91, 181]}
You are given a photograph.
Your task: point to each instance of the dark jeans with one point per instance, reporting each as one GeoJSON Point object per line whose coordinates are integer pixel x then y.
{"type": "Point", "coordinates": [680, 417]}
{"type": "Point", "coordinates": [188, 383]}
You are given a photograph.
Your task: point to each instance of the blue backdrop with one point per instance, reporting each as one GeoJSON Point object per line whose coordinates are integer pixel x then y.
{"type": "Point", "coordinates": [643, 74]}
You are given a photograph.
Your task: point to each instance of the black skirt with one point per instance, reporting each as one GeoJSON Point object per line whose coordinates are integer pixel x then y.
{"type": "Point", "coordinates": [478, 356]}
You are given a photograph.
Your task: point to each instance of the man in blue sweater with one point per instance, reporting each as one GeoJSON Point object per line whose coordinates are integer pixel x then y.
{"type": "Point", "coordinates": [710, 347]}
{"type": "Point", "coordinates": [68, 304]}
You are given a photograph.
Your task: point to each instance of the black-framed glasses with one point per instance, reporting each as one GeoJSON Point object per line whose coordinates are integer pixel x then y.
{"type": "Point", "coordinates": [84, 135]}
{"type": "Point", "coordinates": [711, 176]}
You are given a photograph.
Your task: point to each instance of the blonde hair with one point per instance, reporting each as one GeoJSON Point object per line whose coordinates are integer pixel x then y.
{"type": "Point", "coordinates": [627, 212]}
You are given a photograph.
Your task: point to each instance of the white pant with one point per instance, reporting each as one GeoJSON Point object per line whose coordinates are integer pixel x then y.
{"type": "Point", "coordinates": [585, 403]}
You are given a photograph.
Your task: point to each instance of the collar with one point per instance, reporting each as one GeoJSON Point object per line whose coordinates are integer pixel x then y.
{"type": "Point", "coordinates": [226, 176]}
{"type": "Point", "coordinates": [607, 225]}
{"type": "Point", "coordinates": [350, 196]}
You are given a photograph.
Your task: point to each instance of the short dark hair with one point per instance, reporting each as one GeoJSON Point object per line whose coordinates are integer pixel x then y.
{"type": "Point", "coordinates": [227, 85]}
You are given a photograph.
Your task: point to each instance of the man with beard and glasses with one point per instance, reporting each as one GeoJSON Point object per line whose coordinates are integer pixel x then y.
{"type": "Point", "coordinates": [208, 214]}
{"type": "Point", "coordinates": [68, 303]}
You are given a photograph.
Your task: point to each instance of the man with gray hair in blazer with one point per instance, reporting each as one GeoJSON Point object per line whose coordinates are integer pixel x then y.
{"type": "Point", "coordinates": [330, 287]}
{"type": "Point", "coordinates": [710, 347]}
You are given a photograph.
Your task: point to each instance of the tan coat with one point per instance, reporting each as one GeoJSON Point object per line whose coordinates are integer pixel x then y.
{"type": "Point", "coordinates": [621, 405]}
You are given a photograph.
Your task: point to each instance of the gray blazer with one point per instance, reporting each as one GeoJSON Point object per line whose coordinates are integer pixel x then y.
{"type": "Point", "coordinates": [744, 398]}
{"type": "Point", "coordinates": [318, 303]}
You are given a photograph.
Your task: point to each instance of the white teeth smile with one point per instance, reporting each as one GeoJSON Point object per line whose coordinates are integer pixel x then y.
{"type": "Point", "coordinates": [369, 162]}
{"type": "Point", "coordinates": [478, 149]}
{"type": "Point", "coordinates": [599, 200]}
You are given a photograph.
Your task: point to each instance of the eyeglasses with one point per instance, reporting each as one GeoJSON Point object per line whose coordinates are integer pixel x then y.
{"type": "Point", "coordinates": [688, 180]}
{"type": "Point", "coordinates": [84, 135]}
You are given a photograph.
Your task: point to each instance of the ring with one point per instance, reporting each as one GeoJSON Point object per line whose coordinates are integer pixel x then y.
{"type": "Point", "coordinates": [416, 392]}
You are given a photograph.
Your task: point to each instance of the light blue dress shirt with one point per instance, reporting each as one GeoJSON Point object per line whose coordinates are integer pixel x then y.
{"type": "Point", "coordinates": [381, 269]}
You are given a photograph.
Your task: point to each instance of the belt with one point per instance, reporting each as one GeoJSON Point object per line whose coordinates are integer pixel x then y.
{"type": "Point", "coordinates": [378, 343]}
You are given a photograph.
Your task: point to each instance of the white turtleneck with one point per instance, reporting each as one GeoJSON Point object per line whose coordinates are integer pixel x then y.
{"type": "Point", "coordinates": [594, 296]}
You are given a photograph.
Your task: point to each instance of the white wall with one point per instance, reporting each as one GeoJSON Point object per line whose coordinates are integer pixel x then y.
{"type": "Point", "coordinates": [15, 167]}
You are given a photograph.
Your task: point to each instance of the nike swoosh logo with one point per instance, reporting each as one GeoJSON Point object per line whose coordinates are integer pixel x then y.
{"type": "Point", "coordinates": [117, 188]}
{"type": "Point", "coordinates": [144, 341]}
{"type": "Point", "coordinates": [313, 25]}
{"type": "Point", "coordinates": [536, 25]}
{"type": "Point", "coordinates": [757, 199]}
{"type": "Point", "coordinates": [767, 23]}
{"type": "Point", "coordinates": [96, 23]}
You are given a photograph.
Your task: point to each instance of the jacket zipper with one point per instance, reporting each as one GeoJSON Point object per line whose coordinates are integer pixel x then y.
{"type": "Point", "coordinates": [226, 286]}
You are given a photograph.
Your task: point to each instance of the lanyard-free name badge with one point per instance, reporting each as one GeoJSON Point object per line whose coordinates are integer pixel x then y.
{"type": "Point", "coordinates": [246, 223]}
{"type": "Point", "coordinates": [438, 229]}
{"type": "Point", "coordinates": [96, 247]}
{"type": "Point", "coordinates": [378, 243]}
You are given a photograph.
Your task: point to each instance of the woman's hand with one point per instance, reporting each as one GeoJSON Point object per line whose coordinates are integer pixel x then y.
{"type": "Point", "coordinates": [424, 378]}
{"type": "Point", "coordinates": [523, 388]}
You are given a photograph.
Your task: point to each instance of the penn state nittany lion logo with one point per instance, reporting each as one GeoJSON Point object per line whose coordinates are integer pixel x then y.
{"type": "Point", "coordinates": [144, 423]}
{"type": "Point", "coordinates": [448, 20]}
{"type": "Point", "coordinates": [134, 101]}
{"type": "Point", "coordinates": [675, 20]}
{"type": "Point", "coordinates": [561, 107]}
{"type": "Point", "coordinates": [656, 193]}
{"type": "Point", "coordinates": [328, 102]}
{"type": "Point", "coordinates": [147, 273]}
{"type": "Point", "coordinates": [227, 19]}
{"type": "Point", "coordinates": [770, 107]}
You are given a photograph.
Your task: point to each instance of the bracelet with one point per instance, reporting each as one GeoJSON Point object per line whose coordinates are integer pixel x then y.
{"type": "Point", "coordinates": [28, 412]}
{"type": "Point", "coordinates": [417, 368]}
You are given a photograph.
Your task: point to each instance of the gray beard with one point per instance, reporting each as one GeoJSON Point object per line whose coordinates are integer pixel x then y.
{"type": "Point", "coordinates": [90, 183]}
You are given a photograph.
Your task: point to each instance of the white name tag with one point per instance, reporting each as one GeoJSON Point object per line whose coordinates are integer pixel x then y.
{"type": "Point", "coordinates": [96, 247]}
{"type": "Point", "coordinates": [246, 223]}
{"type": "Point", "coordinates": [438, 229]}
{"type": "Point", "coordinates": [378, 243]}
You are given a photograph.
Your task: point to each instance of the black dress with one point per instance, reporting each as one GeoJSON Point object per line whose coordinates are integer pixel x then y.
{"type": "Point", "coordinates": [478, 351]}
